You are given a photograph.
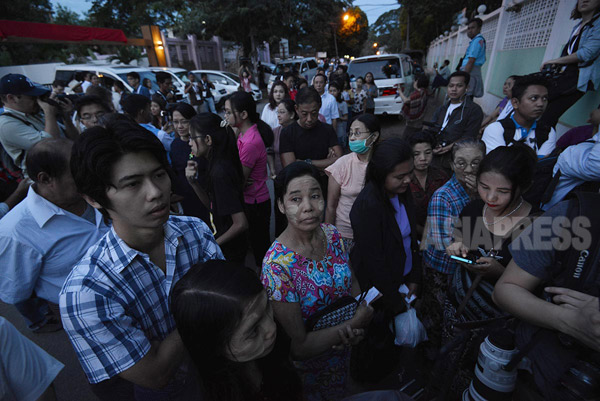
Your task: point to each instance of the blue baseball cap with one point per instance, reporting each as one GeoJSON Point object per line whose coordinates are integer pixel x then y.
{"type": "Point", "coordinates": [17, 84]}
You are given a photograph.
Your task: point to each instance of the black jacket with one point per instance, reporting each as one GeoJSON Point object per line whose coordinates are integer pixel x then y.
{"type": "Point", "coordinates": [464, 122]}
{"type": "Point", "coordinates": [378, 255]}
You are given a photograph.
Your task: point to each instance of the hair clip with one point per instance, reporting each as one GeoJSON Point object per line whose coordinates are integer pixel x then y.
{"type": "Point", "coordinates": [224, 123]}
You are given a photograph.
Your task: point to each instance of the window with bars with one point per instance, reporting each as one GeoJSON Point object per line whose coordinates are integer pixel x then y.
{"type": "Point", "coordinates": [532, 26]}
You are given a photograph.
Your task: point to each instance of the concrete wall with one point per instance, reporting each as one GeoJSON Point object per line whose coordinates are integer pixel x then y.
{"type": "Point", "coordinates": [517, 43]}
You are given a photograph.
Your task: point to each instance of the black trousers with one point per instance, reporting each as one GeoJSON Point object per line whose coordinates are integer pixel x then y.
{"type": "Point", "coordinates": [259, 222]}
{"type": "Point", "coordinates": [557, 107]}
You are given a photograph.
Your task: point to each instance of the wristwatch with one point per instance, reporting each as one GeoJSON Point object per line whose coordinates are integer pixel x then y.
{"type": "Point", "coordinates": [309, 161]}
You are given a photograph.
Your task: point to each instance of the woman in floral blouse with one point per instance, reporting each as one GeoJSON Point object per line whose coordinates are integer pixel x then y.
{"type": "Point", "coordinates": [360, 97]}
{"type": "Point", "coordinates": [305, 270]}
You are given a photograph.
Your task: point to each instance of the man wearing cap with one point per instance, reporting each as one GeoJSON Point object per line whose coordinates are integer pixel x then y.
{"type": "Point", "coordinates": [27, 119]}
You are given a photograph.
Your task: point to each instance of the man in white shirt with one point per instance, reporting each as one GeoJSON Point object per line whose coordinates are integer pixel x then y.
{"type": "Point", "coordinates": [329, 108]}
{"type": "Point", "coordinates": [45, 235]}
{"type": "Point", "coordinates": [529, 100]}
{"type": "Point", "coordinates": [87, 81]}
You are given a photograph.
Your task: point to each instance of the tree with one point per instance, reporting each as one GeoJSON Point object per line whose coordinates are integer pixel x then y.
{"type": "Point", "coordinates": [26, 10]}
{"type": "Point", "coordinates": [430, 18]}
{"type": "Point", "coordinates": [353, 31]}
{"type": "Point", "coordinates": [66, 16]}
{"type": "Point", "coordinates": [387, 32]}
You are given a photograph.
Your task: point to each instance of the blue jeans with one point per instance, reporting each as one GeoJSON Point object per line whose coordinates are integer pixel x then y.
{"type": "Point", "coordinates": [210, 103]}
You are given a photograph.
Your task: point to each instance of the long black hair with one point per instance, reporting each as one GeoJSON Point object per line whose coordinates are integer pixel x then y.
{"type": "Point", "coordinates": [208, 305]}
{"type": "Point", "coordinates": [515, 163]}
{"type": "Point", "coordinates": [386, 155]}
{"type": "Point", "coordinates": [224, 147]}
{"type": "Point", "coordinates": [243, 101]}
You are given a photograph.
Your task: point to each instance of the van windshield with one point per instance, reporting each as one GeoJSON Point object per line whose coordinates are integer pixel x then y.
{"type": "Point", "coordinates": [380, 68]}
{"type": "Point", "coordinates": [143, 75]}
{"type": "Point", "coordinates": [292, 66]}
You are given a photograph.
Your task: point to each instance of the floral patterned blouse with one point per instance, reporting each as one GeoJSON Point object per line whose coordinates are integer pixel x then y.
{"type": "Point", "coordinates": [290, 277]}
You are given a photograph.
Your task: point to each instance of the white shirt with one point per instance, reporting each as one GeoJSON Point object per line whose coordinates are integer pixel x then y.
{"type": "Point", "coordinates": [451, 108]}
{"type": "Point", "coordinates": [493, 136]}
{"type": "Point", "coordinates": [329, 107]}
{"type": "Point", "coordinates": [26, 370]}
{"type": "Point", "coordinates": [270, 116]}
{"type": "Point", "coordinates": [85, 85]}
{"type": "Point", "coordinates": [39, 245]}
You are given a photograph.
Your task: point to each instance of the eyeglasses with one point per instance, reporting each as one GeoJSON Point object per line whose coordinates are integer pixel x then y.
{"type": "Point", "coordinates": [193, 138]}
{"type": "Point", "coordinates": [98, 115]}
{"type": "Point", "coordinates": [461, 164]}
{"type": "Point", "coordinates": [182, 122]}
{"type": "Point", "coordinates": [357, 133]}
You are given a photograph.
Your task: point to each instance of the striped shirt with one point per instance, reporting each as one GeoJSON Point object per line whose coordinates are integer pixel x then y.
{"type": "Point", "coordinates": [443, 211]}
{"type": "Point", "coordinates": [115, 302]}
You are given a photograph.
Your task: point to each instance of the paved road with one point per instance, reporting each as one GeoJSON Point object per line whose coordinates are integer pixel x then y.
{"type": "Point", "coordinates": [71, 384]}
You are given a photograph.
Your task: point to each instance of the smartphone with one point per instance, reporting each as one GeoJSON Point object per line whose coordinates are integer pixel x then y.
{"type": "Point", "coordinates": [469, 259]}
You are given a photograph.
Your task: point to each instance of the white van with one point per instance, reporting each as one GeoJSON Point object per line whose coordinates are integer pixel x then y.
{"type": "Point", "coordinates": [306, 67]}
{"type": "Point", "coordinates": [392, 72]}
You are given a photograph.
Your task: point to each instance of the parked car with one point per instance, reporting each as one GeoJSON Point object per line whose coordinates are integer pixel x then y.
{"type": "Point", "coordinates": [179, 75]}
{"type": "Point", "coordinates": [225, 83]}
{"type": "Point", "coordinates": [306, 67]}
{"type": "Point", "coordinates": [108, 74]}
{"type": "Point", "coordinates": [392, 72]}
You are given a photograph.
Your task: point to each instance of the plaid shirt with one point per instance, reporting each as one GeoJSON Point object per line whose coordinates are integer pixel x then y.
{"type": "Point", "coordinates": [444, 208]}
{"type": "Point", "coordinates": [115, 301]}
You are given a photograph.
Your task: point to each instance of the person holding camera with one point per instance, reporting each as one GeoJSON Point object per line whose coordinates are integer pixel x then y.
{"type": "Point", "coordinates": [559, 334]}
{"type": "Point", "coordinates": [30, 116]}
{"type": "Point", "coordinates": [578, 69]}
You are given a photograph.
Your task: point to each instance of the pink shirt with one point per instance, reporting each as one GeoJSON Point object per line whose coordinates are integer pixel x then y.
{"type": "Point", "coordinates": [349, 172]}
{"type": "Point", "coordinates": [253, 155]}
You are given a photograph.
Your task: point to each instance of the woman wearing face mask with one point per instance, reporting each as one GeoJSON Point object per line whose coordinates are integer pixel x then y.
{"type": "Point", "coordinates": [179, 155]}
{"type": "Point", "coordinates": [488, 224]}
{"type": "Point", "coordinates": [279, 91]}
{"type": "Point", "coordinates": [243, 356]}
{"type": "Point", "coordinates": [444, 208]}
{"type": "Point", "coordinates": [305, 270]}
{"type": "Point", "coordinates": [222, 191]}
{"type": "Point", "coordinates": [385, 253]}
{"type": "Point", "coordinates": [347, 175]}
{"type": "Point", "coordinates": [240, 112]}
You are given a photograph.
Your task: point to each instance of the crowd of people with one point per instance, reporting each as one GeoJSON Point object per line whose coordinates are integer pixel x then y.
{"type": "Point", "coordinates": [142, 229]}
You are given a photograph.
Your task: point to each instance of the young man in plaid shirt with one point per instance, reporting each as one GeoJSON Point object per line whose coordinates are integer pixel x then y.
{"type": "Point", "coordinates": [114, 303]}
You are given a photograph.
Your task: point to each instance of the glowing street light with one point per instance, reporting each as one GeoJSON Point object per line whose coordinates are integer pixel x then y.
{"type": "Point", "coordinates": [346, 16]}
{"type": "Point", "coordinates": [375, 44]}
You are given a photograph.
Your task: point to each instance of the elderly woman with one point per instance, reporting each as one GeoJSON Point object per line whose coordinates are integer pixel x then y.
{"type": "Point", "coordinates": [445, 206]}
{"type": "Point", "coordinates": [305, 270]}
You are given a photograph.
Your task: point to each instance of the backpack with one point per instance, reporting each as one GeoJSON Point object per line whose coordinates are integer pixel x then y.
{"type": "Point", "coordinates": [542, 132]}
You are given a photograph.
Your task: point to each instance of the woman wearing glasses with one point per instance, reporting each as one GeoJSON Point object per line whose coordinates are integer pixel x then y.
{"type": "Point", "coordinates": [347, 175]}
{"type": "Point", "coordinates": [445, 206]}
{"type": "Point", "coordinates": [488, 226]}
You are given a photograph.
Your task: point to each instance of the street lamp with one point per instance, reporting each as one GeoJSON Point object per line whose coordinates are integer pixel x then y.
{"type": "Point", "coordinates": [346, 16]}
{"type": "Point", "coordinates": [375, 44]}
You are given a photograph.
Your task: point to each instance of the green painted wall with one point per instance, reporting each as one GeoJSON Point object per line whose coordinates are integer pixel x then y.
{"type": "Point", "coordinates": [514, 62]}
{"type": "Point", "coordinates": [527, 61]}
